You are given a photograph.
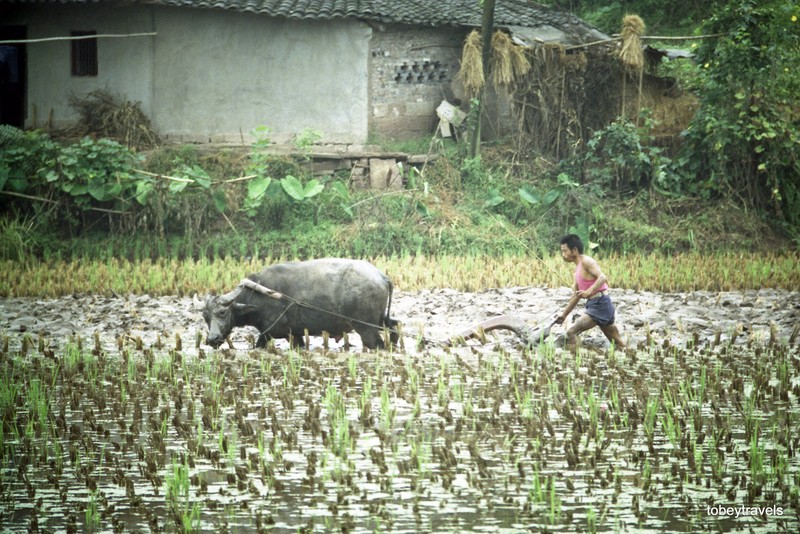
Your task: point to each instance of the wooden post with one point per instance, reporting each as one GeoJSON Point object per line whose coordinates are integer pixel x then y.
{"type": "Point", "coordinates": [486, 53]}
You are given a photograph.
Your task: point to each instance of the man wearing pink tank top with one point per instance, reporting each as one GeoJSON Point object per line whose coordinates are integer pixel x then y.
{"type": "Point", "coordinates": [590, 284]}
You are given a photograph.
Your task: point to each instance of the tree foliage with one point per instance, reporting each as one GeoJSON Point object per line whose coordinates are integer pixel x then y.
{"type": "Point", "coordinates": [658, 15]}
{"type": "Point", "coordinates": [745, 139]}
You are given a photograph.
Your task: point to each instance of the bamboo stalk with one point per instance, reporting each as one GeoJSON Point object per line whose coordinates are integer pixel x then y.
{"type": "Point", "coordinates": [617, 38]}
{"type": "Point", "coordinates": [50, 201]}
{"type": "Point", "coordinates": [174, 178]}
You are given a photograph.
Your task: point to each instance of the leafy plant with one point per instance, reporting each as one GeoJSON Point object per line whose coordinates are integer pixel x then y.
{"type": "Point", "coordinates": [622, 157]}
{"type": "Point", "coordinates": [307, 138]}
{"type": "Point", "coordinates": [745, 138]}
{"type": "Point", "coordinates": [299, 192]}
{"type": "Point", "coordinates": [24, 158]}
{"type": "Point", "coordinates": [531, 196]}
{"type": "Point", "coordinates": [100, 170]}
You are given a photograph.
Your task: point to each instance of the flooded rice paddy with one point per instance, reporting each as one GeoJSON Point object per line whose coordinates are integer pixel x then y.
{"type": "Point", "coordinates": [116, 418]}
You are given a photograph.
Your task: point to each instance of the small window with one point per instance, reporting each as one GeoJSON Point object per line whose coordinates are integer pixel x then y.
{"type": "Point", "coordinates": [84, 54]}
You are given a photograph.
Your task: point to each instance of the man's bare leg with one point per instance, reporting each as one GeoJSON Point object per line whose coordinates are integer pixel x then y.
{"type": "Point", "coordinates": [583, 324]}
{"type": "Point", "coordinates": [612, 333]}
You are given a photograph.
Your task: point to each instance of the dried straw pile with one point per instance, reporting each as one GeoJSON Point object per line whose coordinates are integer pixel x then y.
{"type": "Point", "coordinates": [101, 114]}
{"type": "Point", "coordinates": [508, 63]}
{"type": "Point", "coordinates": [632, 54]}
{"type": "Point", "coordinates": [471, 73]}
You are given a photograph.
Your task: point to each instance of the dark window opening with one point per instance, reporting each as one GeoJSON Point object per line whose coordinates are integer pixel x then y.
{"type": "Point", "coordinates": [84, 54]}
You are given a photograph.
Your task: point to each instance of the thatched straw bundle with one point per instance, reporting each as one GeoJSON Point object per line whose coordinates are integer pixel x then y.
{"type": "Point", "coordinates": [471, 73]}
{"type": "Point", "coordinates": [508, 60]}
{"type": "Point", "coordinates": [632, 55]}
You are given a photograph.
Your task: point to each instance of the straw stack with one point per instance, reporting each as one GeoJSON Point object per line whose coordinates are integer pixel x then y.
{"type": "Point", "coordinates": [508, 60]}
{"type": "Point", "coordinates": [471, 72]}
{"type": "Point", "coordinates": [632, 55]}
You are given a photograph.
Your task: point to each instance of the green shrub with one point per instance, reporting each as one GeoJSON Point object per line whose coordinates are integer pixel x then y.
{"type": "Point", "coordinates": [745, 139]}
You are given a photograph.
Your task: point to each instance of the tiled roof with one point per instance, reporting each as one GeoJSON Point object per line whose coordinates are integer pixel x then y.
{"type": "Point", "coordinates": [414, 12]}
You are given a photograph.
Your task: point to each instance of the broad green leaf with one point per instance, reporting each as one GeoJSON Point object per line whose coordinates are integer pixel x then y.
{"type": "Point", "coordinates": [257, 187]}
{"type": "Point", "coordinates": [293, 188]}
{"type": "Point", "coordinates": [113, 190]}
{"type": "Point", "coordinates": [176, 186]}
{"type": "Point", "coordinates": [77, 190]}
{"type": "Point", "coordinates": [313, 188]}
{"type": "Point", "coordinates": [197, 174]}
{"type": "Point", "coordinates": [18, 185]}
{"type": "Point", "coordinates": [529, 195]}
{"type": "Point", "coordinates": [143, 190]}
{"type": "Point", "coordinates": [340, 189]}
{"type": "Point", "coordinates": [551, 196]}
{"type": "Point", "coordinates": [97, 189]}
{"type": "Point", "coordinates": [494, 199]}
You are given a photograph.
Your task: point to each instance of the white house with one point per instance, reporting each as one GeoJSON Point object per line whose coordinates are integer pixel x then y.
{"type": "Point", "coordinates": [212, 71]}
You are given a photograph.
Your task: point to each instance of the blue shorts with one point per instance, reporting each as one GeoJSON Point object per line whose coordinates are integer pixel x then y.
{"type": "Point", "coordinates": [601, 310]}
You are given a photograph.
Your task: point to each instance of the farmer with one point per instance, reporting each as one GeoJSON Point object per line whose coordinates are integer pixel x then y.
{"type": "Point", "coordinates": [590, 284]}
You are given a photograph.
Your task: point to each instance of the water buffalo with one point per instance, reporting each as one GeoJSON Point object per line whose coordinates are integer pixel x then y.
{"type": "Point", "coordinates": [285, 300]}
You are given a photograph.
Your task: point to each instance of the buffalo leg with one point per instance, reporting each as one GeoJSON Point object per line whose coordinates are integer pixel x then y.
{"type": "Point", "coordinates": [370, 337]}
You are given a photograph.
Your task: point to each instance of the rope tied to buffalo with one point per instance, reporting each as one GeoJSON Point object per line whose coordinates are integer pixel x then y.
{"type": "Point", "coordinates": [271, 293]}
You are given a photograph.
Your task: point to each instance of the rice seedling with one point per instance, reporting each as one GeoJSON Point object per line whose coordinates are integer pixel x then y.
{"type": "Point", "coordinates": [339, 440]}
{"type": "Point", "coordinates": [591, 520]}
{"type": "Point", "coordinates": [536, 493]}
{"type": "Point", "coordinates": [684, 272]}
{"type": "Point", "coordinates": [293, 363]}
{"type": "Point", "coordinates": [669, 420]}
{"type": "Point", "coordinates": [525, 405]}
{"type": "Point", "coordinates": [756, 459]}
{"type": "Point", "coordinates": [387, 410]}
{"type": "Point", "coordinates": [352, 366]}
{"type": "Point", "coordinates": [421, 455]}
{"type": "Point", "coordinates": [555, 503]}
{"type": "Point", "coordinates": [365, 401]}
{"type": "Point", "coordinates": [494, 435]}
{"type": "Point", "coordinates": [185, 511]}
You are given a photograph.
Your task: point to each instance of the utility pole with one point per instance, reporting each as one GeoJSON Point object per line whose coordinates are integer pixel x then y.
{"type": "Point", "coordinates": [486, 54]}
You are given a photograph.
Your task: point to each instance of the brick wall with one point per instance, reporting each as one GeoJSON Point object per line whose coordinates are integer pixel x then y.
{"type": "Point", "coordinates": [411, 70]}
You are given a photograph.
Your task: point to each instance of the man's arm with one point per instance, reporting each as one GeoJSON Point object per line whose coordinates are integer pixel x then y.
{"type": "Point", "coordinates": [570, 306]}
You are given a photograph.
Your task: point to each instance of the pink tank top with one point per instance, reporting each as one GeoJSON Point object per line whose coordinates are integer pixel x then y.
{"type": "Point", "coordinates": [583, 283]}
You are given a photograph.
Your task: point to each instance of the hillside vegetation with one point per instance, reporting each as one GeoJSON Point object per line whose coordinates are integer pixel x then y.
{"type": "Point", "coordinates": [733, 185]}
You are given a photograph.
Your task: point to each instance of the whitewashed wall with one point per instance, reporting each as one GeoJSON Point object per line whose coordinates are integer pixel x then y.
{"type": "Point", "coordinates": [208, 75]}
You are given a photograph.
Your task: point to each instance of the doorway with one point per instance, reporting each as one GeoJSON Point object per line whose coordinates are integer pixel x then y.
{"type": "Point", "coordinates": [12, 76]}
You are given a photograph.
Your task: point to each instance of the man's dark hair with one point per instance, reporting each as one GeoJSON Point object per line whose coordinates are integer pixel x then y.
{"type": "Point", "coordinates": [572, 241]}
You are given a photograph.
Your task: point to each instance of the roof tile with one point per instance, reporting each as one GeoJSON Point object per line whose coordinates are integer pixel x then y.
{"type": "Point", "coordinates": [413, 12]}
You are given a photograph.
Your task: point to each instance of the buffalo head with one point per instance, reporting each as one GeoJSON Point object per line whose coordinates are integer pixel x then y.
{"type": "Point", "coordinates": [220, 314]}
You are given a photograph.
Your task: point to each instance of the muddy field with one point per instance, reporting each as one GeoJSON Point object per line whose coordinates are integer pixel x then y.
{"type": "Point", "coordinates": [434, 314]}
{"type": "Point", "coordinates": [116, 418]}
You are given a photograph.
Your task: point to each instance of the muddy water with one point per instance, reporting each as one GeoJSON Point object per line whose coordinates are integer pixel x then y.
{"type": "Point", "coordinates": [482, 438]}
